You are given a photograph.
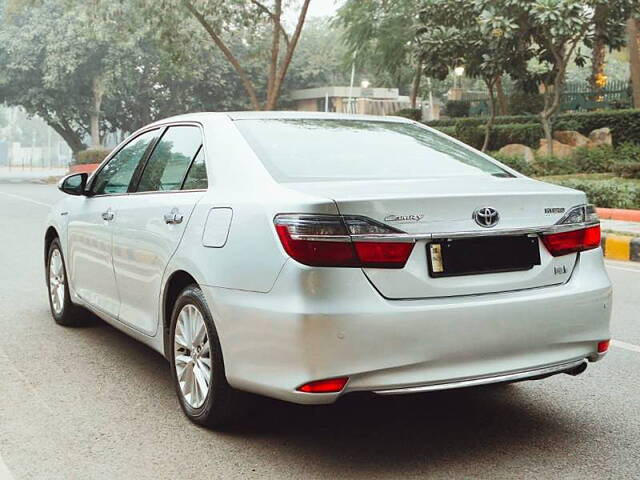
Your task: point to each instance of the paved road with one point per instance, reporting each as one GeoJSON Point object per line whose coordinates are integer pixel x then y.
{"type": "Point", "coordinates": [92, 403]}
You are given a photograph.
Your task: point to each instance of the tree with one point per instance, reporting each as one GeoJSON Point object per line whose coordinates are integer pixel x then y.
{"type": "Point", "coordinates": [234, 27]}
{"type": "Point", "coordinates": [633, 26]}
{"type": "Point", "coordinates": [381, 34]}
{"type": "Point", "coordinates": [609, 19]}
{"type": "Point", "coordinates": [457, 33]}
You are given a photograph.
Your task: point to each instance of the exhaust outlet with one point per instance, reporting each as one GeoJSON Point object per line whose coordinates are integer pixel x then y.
{"type": "Point", "coordinates": [577, 370]}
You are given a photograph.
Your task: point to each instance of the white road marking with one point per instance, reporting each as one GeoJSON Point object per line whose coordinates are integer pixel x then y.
{"type": "Point", "coordinates": [636, 270]}
{"type": "Point", "coordinates": [26, 199]}
{"type": "Point", "coordinates": [5, 474]}
{"type": "Point", "coordinates": [627, 346]}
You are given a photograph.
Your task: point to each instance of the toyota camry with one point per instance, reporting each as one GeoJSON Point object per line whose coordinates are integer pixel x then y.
{"type": "Point", "coordinates": [306, 256]}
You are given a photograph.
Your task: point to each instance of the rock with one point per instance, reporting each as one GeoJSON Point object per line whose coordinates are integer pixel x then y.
{"type": "Point", "coordinates": [518, 150]}
{"type": "Point", "coordinates": [560, 150]}
{"type": "Point", "coordinates": [571, 137]}
{"type": "Point", "coordinates": [600, 136]}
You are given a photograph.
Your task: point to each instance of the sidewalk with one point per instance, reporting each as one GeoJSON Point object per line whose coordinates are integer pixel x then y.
{"type": "Point", "coordinates": [19, 175]}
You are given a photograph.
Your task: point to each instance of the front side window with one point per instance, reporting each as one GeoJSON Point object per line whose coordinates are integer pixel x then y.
{"type": "Point", "coordinates": [314, 150]}
{"type": "Point", "coordinates": [170, 160]}
{"type": "Point", "coordinates": [116, 176]}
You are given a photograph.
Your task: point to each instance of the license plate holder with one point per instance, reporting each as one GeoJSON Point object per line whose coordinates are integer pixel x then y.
{"type": "Point", "coordinates": [479, 255]}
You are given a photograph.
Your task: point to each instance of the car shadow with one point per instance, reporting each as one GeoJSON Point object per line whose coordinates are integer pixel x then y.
{"type": "Point", "coordinates": [419, 432]}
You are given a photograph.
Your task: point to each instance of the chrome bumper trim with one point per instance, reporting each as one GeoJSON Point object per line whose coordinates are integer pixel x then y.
{"type": "Point", "coordinates": [472, 382]}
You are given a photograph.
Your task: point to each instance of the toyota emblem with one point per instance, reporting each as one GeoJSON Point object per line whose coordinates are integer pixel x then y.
{"type": "Point", "coordinates": [486, 217]}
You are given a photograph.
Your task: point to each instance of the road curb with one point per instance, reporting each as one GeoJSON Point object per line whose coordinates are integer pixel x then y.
{"type": "Point", "coordinates": [619, 214]}
{"type": "Point", "coordinates": [621, 247]}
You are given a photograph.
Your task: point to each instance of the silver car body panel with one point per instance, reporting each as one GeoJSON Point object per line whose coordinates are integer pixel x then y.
{"type": "Point", "coordinates": [282, 324]}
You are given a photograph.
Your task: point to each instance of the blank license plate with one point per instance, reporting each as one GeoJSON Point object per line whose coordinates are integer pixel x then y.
{"type": "Point", "coordinates": [470, 256]}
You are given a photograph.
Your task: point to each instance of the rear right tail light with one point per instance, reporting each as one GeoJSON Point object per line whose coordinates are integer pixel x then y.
{"type": "Point", "coordinates": [573, 241]}
{"type": "Point", "coordinates": [342, 241]}
{"type": "Point", "coordinates": [578, 239]}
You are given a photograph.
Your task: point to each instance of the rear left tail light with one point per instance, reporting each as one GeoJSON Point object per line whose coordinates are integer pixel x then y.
{"type": "Point", "coordinates": [342, 241]}
{"type": "Point", "coordinates": [579, 239]}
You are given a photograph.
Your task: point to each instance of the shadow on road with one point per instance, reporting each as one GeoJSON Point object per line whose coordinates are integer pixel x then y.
{"type": "Point", "coordinates": [365, 431]}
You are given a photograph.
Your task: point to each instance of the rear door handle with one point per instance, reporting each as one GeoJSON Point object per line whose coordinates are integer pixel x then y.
{"type": "Point", "coordinates": [173, 217]}
{"type": "Point", "coordinates": [108, 215]}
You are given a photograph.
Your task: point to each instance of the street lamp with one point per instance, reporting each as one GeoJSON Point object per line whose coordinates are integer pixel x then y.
{"type": "Point", "coordinates": [458, 72]}
{"type": "Point", "coordinates": [365, 84]}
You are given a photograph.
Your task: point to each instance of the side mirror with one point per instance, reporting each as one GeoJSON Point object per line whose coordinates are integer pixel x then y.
{"type": "Point", "coordinates": [74, 184]}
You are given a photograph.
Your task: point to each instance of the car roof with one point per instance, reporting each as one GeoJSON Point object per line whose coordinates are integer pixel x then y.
{"type": "Point", "coordinates": [271, 115]}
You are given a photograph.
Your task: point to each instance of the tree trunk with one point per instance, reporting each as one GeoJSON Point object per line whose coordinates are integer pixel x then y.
{"type": "Point", "coordinates": [275, 51]}
{"type": "Point", "coordinates": [97, 90]}
{"type": "Point", "coordinates": [599, 48]}
{"type": "Point", "coordinates": [416, 85]}
{"type": "Point", "coordinates": [71, 138]}
{"type": "Point", "coordinates": [492, 114]}
{"type": "Point", "coordinates": [634, 58]}
{"type": "Point", "coordinates": [503, 105]}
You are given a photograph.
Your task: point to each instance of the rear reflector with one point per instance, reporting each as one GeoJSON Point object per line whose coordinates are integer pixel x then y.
{"type": "Point", "coordinates": [564, 243]}
{"type": "Point", "coordinates": [603, 346]}
{"type": "Point", "coordinates": [336, 241]}
{"type": "Point", "coordinates": [332, 385]}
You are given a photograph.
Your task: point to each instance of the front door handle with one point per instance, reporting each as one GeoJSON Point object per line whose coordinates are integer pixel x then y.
{"type": "Point", "coordinates": [108, 215]}
{"type": "Point", "coordinates": [173, 217]}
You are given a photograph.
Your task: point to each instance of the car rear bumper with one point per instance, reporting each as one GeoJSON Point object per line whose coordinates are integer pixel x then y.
{"type": "Point", "coordinates": [319, 323]}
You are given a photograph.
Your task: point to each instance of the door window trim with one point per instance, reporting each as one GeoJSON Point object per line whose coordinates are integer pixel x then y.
{"type": "Point", "coordinates": [145, 158]}
{"type": "Point", "coordinates": [115, 153]}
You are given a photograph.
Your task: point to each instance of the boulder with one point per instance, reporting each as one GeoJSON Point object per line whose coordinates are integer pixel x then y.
{"type": "Point", "coordinates": [560, 150]}
{"type": "Point", "coordinates": [600, 136]}
{"type": "Point", "coordinates": [518, 150]}
{"type": "Point", "coordinates": [571, 137]}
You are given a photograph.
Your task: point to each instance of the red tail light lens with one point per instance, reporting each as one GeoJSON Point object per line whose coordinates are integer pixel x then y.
{"type": "Point", "coordinates": [383, 255]}
{"type": "Point", "coordinates": [332, 385]}
{"type": "Point", "coordinates": [341, 241]}
{"type": "Point", "coordinates": [564, 243]}
{"type": "Point", "coordinates": [603, 346]}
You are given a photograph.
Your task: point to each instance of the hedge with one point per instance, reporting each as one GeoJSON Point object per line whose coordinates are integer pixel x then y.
{"type": "Point", "coordinates": [91, 155]}
{"type": "Point", "coordinates": [624, 125]}
{"type": "Point", "coordinates": [605, 193]}
{"type": "Point", "coordinates": [472, 134]}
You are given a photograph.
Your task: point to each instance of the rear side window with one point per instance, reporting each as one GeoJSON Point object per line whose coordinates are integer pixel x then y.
{"type": "Point", "coordinates": [312, 150]}
{"type": "Point", "coordinates": [170, 160]}
{"type": "Point", "coordinates": [197, 176]}
{"type": "Point", "coordinates": [116, 175]}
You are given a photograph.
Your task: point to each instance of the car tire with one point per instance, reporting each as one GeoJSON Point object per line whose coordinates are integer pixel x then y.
{"type": "Point", "coordinates": [63, 310]}
{"type": "Point", "coordinates": [190, 354]}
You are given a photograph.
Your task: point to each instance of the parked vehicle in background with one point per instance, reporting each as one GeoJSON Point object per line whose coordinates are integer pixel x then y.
{"type": "Point", "coordinates": [308, 256]}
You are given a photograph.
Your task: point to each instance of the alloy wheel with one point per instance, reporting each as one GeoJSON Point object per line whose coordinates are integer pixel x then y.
{"type": "Point", "coordinates": [56, 282]}
{"type": "Point", "coordinates": [192, 356]}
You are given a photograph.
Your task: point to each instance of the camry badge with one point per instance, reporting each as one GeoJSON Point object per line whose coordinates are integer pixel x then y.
{"type": "Point", "coordinates": [486, 217]}
{"type": "Point", "coordinates": [403, 218]}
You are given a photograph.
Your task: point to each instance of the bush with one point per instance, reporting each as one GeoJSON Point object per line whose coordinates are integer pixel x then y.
{"type": "Point", "coordinates": [551, 165]}
{"type": "Point", "coordinates": [627, 169]}
{"type": "Point", "coordinates": [457, 108]}
{"type": "Point", "coordinates": [451, 131]}
{"type": "Point", "coordinates": [606, 193]}
{"type": "Point", "coordinates": [526, 133]}
{"type": "Point", "coordinates": [91, 155]}
{"type": "Point", "coordinates": [521, 103]}
{"type": "Point", "coordinates": [412, 113]}
{"type": "Point", "coordinates": [593, 160]}
{"type": "Point", "coordinates": [517, 162]}
{"type": "Point", "coordinates": [624, 124]}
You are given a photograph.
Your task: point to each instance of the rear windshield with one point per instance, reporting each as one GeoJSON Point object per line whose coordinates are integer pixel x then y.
{"type": "Point", "coordinates": [312, 150]}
